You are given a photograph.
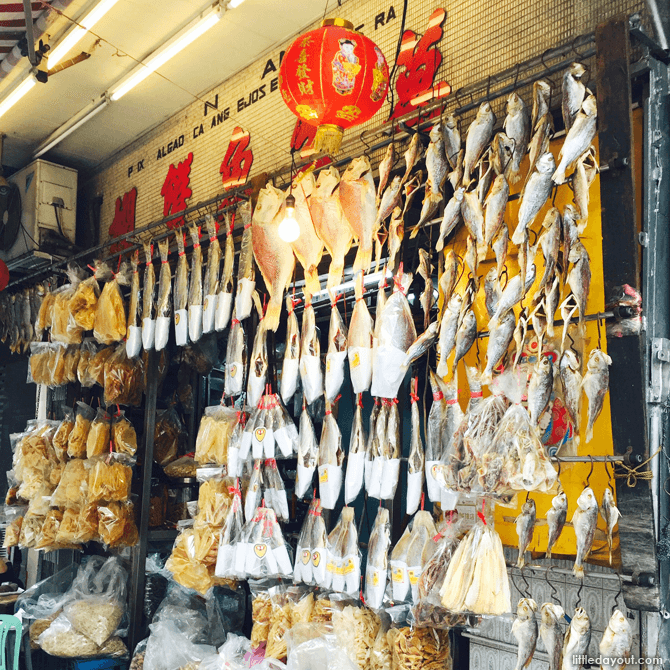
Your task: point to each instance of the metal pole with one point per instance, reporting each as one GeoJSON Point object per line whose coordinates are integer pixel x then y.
{"type": "Point", "coordinates": [136, 630]}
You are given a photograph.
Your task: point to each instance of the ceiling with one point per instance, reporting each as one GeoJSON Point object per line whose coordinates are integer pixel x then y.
{"type": "Point", "coordinates": [137, 28]}
{"type": "Point", "coordinates": [13, 24]}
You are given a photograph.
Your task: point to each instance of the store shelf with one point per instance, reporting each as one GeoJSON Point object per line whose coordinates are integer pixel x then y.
{"type": "Point", "coordinates": [162, 535]}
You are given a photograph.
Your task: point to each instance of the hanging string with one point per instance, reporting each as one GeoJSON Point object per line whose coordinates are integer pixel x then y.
{"type": "Point", "coordinates": [632, 475]}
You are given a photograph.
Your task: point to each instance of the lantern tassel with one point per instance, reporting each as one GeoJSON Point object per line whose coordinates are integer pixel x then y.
{"type": "Point", "coordinates": [328, 138]}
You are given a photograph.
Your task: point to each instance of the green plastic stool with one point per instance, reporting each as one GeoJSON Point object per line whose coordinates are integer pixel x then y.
{"type": "Point", "coordinates": [8, 623]}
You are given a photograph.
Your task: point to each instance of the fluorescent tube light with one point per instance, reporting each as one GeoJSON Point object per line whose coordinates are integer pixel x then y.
{"type": "Point", "coordinates": [55, 56]}
{"type": "Point", "coordinates": [17, 93]}
{"type": "Point", "coordinates": [234, 3]}
{"type": "Point", "coordinates": [70, 126]}
{"type": "Point", "coordinates": [167, 51]}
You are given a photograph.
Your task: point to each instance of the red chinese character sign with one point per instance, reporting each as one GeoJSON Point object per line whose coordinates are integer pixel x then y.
{"type": "Point", "coordinates": [237, 162]}
{"type": "Point", "coordinates": [415, 85]}
{"type": "Point", "coordinates": [176, 190]}
{"type": "Point", "coordinates": [333, 78]}
{"type": "Point", "coordinates": [124, 219]}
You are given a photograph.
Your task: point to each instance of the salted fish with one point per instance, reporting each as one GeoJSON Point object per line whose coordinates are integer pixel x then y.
{"type": "Point", "coordinates": [552, 633]}
{"type": "Point", "coordinates": [447, 336]}
{"type": "Point", "coordinates": [517, 128]}
{"type": "Point", "coordinates": [181, 293]}
{"type": "Point", "coordinates": [616, 643]}
{"type": "Point", "coordinates": [577, 640]}
{"type": "Point", "coordinates": [359, 341]}
{"type": "Point", "coordinates": [574, 93]}
{"type": "Point", "coordinates": [584, 522]}
{"type": "Point", "coordinates": [269, 202]}
{"type": "Point", "coordinates": [525, 631]}
{"type": "Point", "coordinates": [236, 358]}
{"type": "Point", "coordinates": [149, 300]}
{"type": "Point", "coordinates": [478, 136]}
{"type": "Point", "coordinates": [224, 301]}
{"type": "Point", "coordinates": [353, 481]}
{"type": "Point", "coordinates": [452, 140]}
{"type": "Point", "coordinates": [308, 455]}
{"type": "Point", "coordinates": [556, 517]}
{"type": "Point", "coordinates": [195, 288]}
{"type": "Point", "coordinates": [436, 159]}
{"type": "Point", "coordinates": [331, 457]}
{"type": "Point", "coordinates": [385, 168]}
{"type": "Point", "coordinates": [450, 218]}
{"type": "Point", "coordinates": [494, 208]}
{"type": "Point", "coordinates": [308, 247]}
{"type": "Point", "coordinates": [535, 194]}
{"type": "Point", "coordinates": [336, 355]}
{"type": "Point", "coordinates": [311, 374]}
{"type": "Point", "coordinates": [525, 524]}
{"type": "Point", "coordinates": [291, 362]}
{"type": "Point", "coordinates": [416, 459]}
{"type": "Point", "coordinates": [578, 139]}
{"type": "Point", "coordinates": [211, 279]}
{"type": "Point", "coordinates": [610, 514]}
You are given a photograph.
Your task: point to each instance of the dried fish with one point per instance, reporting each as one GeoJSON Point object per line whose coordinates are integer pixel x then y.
{"type": "Point", "coordinates": [499, 341]}
{"type": "Point", "coordinates": [525, 525]}
{"type": "Point", "coordinates": [465, 337]}
{"type": "Point", "coordinates": [539, 143]}
{"type": "Point", "coordinates": [149, 300]}
{"type": "Point", "coordinates": [578, 139]}
{"type": "Point", "coordinates": [448, 330]}
{"type": "Point", "coordinates": [478, 137]}
{"type": "Point", "coordinates": [308, 455]}
{"type": "Point", "coordinates": [359, 342]}
{"type": "Point", "coordinates": [396, 234]}
{"type": "Point", "coordinates": [331, 457]}
{"type": "Point", "coordinates": [274, 257]}
{"type": "Point", "coordinates": [385, 168]}
{"type": "Point", "coordinates": [449, 277]}
{"type": "Point", "coordinates": [584, 175]}
{"type": "Point", "coordinates": [357, 196]}
{"type": "Point", "coordinates": [596, 384]}
{"type": "Point", "coordinates": [434, 427]}
{"type": "Point", "coordinates": [308, 247]}
{"type": "Point", "coordinates": [517, 127]}
{"type": "Point", "coordinates": [494, 209]}
{"type": "Point", "coordinates": [258, 365]}
{"type": "Point", "coordinates": [336, 355]}
{"type": "Point", "coordinates": [181, 293]}
{"type": "Point", "coordinates": [491, 291]}
{"type": "Point", "coordinates": [412, 155]}
{"type": "Point", "coordinates": [224, 301]}
{"type": "Point", "coordinates": [330, 223]}
{"type": "Point", "coordinates": [552, 633]}
{"type": "Point", "coordinates": [416, 458]}
{"type": "Point", "coordinates": [524, 630]}
{"type": "Point", "coordinates": [501, 158]}
{"type": "Point", "coordinates": [134, 332]}
{"type": "Point", "coordinates": [540, 388]}
{"type": "Point", "coordinates": [535, 194]}
{"type": "Point", "coordinates": [541, 94]}
{"type": "Point", "coordinates": [616, 643]}
{"type": "Point", "coordinates": [579, 277]}
{"type": "Point", "coordinates": [236, 358]}
{"type": "Point", "coordinates": [571, 382]}
{"type": "Point", "coordinates": [574, 93]}
{"type": "Point", "coordinates": [421, 345]}
{"type": "Point", "coordinates": [163, 304]}
{"type": "Point", "coordinates": [512, 294]}
{"type": "Point", "coordinates": [290, 365]}
{"type": "Point", "coordinates": [311, 374]}
{"type": "Point", "coordinates": [500, 243]}
{"type": "Point", "coordinates": [425, 271]}
{"type": "Point", "coordinates": [556, 517]}
{"type": "Point", "coordinates": [195, 288]}
{"type": "Point", "coordinates": [268, 205]}
{"type": "Point", "coordinates": [451, 217]}
{"type": "Point", "coordinates": [473, 215]}
{"type": "Point", "coordinates": [436, 159]}
{"type": "Point", "coordinates": [577, 640]}
{"type": "Point", "coordinates": [610, 514]}
{"type": "Point", "coordinates": [431, 202]}
{"type": "Point", "coordinates": [452, 140]}
{"type": "Point", "coordinates": [353, 482]}
{"type": "Point", "coordinates": [550, 242]}
{"type": "Point", "coordinates": [377, 563]}
{"type": "Point", "coordinates": [584, 522]}
{"type": "Point", "coordinates": [211, 281]}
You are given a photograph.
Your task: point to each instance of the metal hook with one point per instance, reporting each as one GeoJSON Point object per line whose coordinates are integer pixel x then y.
{"type": "Point", "coordinates": [588, 479]}
{"type": "Point", "coordinates": [505, 274]}
{"type": "Point", "coordinates": [599, 334]}
{"type": "Point", "coordinates": [366, 153]}
{"type": "Point", "coordinates": [553, 200]}
{"type": "Point", "coordinates": [554, 590]}
{"type": "Point", "coordinates": [526, 584]}
{"type": "Point", "coordinates": [609, 477]}
{"type": "Point", "coordinates": [572, 344]}
{"type": "Point", "coordinates": [479, 356]}
{"type": "Point", "coordinates": [618, 595]}
{"type": "Point", "coordinates": [579, 594]}
{"type": "Point", "coordinates": [516, 76]}
{"type": "Point", "coordinates": [488, 89]}
{"type": "Point", "coordinates": [534, 238]}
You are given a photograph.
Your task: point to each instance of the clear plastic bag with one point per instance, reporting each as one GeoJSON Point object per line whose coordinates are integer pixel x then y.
{"type": "Point", "coordinates": [109, 478]}
{"type": "Point", "coordinates": [87, 351]}
{"type": "Point", "coordinates": [311, 374]}
{"type": "Point", "coordinates": [166, 436]}
{"type": "Point", "coordinates": [124, 379]}
{"type": "Point", "coordinates": [72, 491]}
{"type": "Point", "coordinates": [214, 433]}
{"type": "Point", "coordinates": [377, 564]}
{"type": "Point", "coordinates": [424, 648]}
{"type": "Point", "coordinates": [337, 354]}
{"type": "Point", "coordinates": [110, 315]}
{"type": "Point", "coordinates": [116, 524]}
{"type": "Point", "coordinates": [214, 499]}
{"type": "Point", "coordinates": [98, 440]}
{"type": "Point", "coordinates": [38, 364]}
{"type": "Point", "coordinates": [84, 302]}
{"type": "Point", "coordinates": [311, 548]}
{"type": "Point", "coordinates": [148, 315]}
{"type": "Point", "coordinates": [14, 520]}
{"type": "Point", "coordinates": [71, 362]}
{"type": "Point", "coordinates": [356, 629]}
{"type": "Point", "coordinates": [163, 302]}
{"type": "Point", "coordinates": [353, 481]}
{"type": "Point", "coordinates": [416, 460]}
{"type": "Point", "coordinates": [275, 493]}
{"type": "Point", "coordinates": [343, 570]}
{"type": "Point", "coordinates": [331, 457]}
{"type": "Point", "coordinates": [290, 364]}
{"type": "Point", "coordinates": [63, 327]}
{"type": "Point", "coordinates": [181, 292]}
{"type": "Point", "coordinates": [359, 341]}
{"type": "Point", "coordinates": [124, 437]}
{"type": "Point", "coordinates": [168, 648]}
{"type": "Point", "coordinates": [195, 287]}
{"type": "Point", "coordinates": [316, 649]}
{"type": "Point", "coordinates": [96, 367]}
{"type": "Point", "coordinates": [134, 339]}
{"type": "Point", "coordinates": [62, 435]}
{"type": "Point", "coordinates": [62, 640]}
{"type": "Point", "coordinates": [78, 437]}
{"type": "Point", "coordinates": [231, 534]}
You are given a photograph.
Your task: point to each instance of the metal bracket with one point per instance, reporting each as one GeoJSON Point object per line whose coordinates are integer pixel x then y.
{"type": "Point", "coordinates": [659, 386]}
{"type": "Point", "coordinates": [637, 32]}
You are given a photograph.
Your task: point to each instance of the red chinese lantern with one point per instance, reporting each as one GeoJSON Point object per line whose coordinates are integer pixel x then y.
{"type": "Point", "coordinates": [333, 78]}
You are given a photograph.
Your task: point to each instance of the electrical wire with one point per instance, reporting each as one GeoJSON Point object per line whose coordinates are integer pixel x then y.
{"type": "Point", "coordinates": [397, 53]}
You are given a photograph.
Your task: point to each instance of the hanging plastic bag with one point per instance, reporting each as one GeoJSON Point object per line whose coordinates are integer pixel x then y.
{"type": "Point", "coordinates": [224, 300]}
{"type": "Point", "coordinates": [337, 353]}
{"type": "Point", "coordinates": [377, 565]}
{"type": "Point", "coordinates": [236, 358]}
{"type": "Point", "coordinates": [148, 299]}
{"type": "Point", "coordinates": [211, 281]}
{"type": "Point", "coordinates": [246, 273]}
{"type": "Point", "coordinates": [109, 478]}
{"type": "Point", "coordinates": [423, 531]}
{"type": "Point", "coordinates": [62, 435]}
{"type": "Point", "coordinates": [353, 482]}
{"type": "Point", "coordinates": [263, 553]}
{"type": "Point", "coordinates": [258, 363]}
{"type": "Point", "coordinates": [331, 457]}
{"type": "Point", "coordinates": [214, 433]}
{"type": "Point", "coordinates": [343, 571]}
{"type": "Point", "coordinates": [195, 288]}
{"type": "Point", "coordinates": [110, 315]}
{"type": "Point", "coordinates": [96, 368]}
{"type": "Point", "coordinates": [291, 362]}
{"type": "Point", "coordinates": [87, 351]}
{"type": "Point", "coordinates": [302, 569]}
{"type": "Point", "coordinates": [124, 379]}
{"type": "Point", "coordinates": [63, 327]}
{"type": "Point", "coordinates": [14, 520]}
{"type": "Point", "coordinates": [181, 290]}
{"type": "Point", "coordinates": [168, 648]}
{"type": "Point", "coordinates": [134, 339]}
{"type": "Point", "coordinates": [71, 362]}
{"type": "Point", "coordinates": [234, 464]}
{"type": "Point", "coordinates": [166, 436]}
{"type": "Point", "coordinates": [359, 342]}
{"type": "Point", "coordinates": [72, 491]}
{"type": "Point", "coordinates": [98, 440]}
{"type": "Point", "coordinates": [284, 429]}
{"type": "Point", "coordinates": [78, 437]}
{"type": "Point", "coordinates": [275, 493]}
{"type": "Point", "coordinates": [214, 500]}
{"type": "Point", "coordinates": [163, 304]}
{"type": "Point", "coordinates": [308, 454]}
{"type": "Point", "coordinates": [396, 334]}
{"type": "Point", "coordinates": [415, 460]}
{"type": "Point", "coordinates": [391, 452]}
{"type": "Point", "coordinates": [311, 374]}
{"type": "Point", "coordinates": [374, 457]}
{"type": "Point", "coordinates": [124, 437]}
{"type": "Point", "coordinates": [254, 494]}
{"type": "Point", "coordinates": [434, 428]}
{"type": "Point", "coordinates": [231, 534]}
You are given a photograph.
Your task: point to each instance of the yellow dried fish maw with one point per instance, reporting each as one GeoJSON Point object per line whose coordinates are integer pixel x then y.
{"type": "Point", "coordinates": [273, 256]}
{"type": "Point", "coordinates": [110, 315]}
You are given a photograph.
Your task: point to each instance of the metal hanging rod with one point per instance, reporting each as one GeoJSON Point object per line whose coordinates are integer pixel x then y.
{"type": "Point", "coordinates": [589, 459]}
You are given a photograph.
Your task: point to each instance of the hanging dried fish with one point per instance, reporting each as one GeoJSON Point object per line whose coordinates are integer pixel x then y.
{"type": "Point", "coordinates": [391, 450]}
{"type": "Point", "coordinates": [246, 274]}
{"type": "Point", "coordinates": [311, 374]}
{"type": "Point", "coordinates": [574, 93]}
{"type": "Point", "coordinates": [396, 234]}
{"type": "Point", "coordinates": [337, 353]}
{"type": "Point", "coordinates": [236, 358]}
{"type": "Point", "coordinates": [359, 342]}
{"type": "Point", "coordinates": [578, 139]}
{"type": "Point", "coordinates": [416, 458]}
{"type": "Point", "coordinates": [290, 365]}
{"type": "Point", "coordinates": [556, 517]}
{"type": "Point", "coordinates": [596, 384]}
{"type": "Point", "coordinates": [258, 365]}
{"type": "Point", "coordinates": [377, 564]}
{"type": "Point", "coordinates": [163, 304]}
{"type": "Point", "coordinates": [224, 299]}
{"type": "Point", "coordinates": [525, 525]}
{"type": "Point", "coordinates": [478, 137]}
{"type": "Point", "coordinates": [525, 631]}
{"type": "Point", "coordinates": [353, 482]}
{"type": "Point", "coordinates": [211, 282]}
{"type": "Point", "coordinates": [149, 299]}
{"type": "Point", "coordinates": [181, 292]}
{"type": "Point", "coordinates": [195, 288]}
{"type": "Point", "coordinates": [584, 522]}
{"type": "Point", "coordinates": [331, 457]}
{"type": "Point", "coordinates": [517, 127]}
{"type": "Point", "coordinates": [308, 455]}
{"type": "Point", "coordinates": [610, 514]}
{"type": "Point", "coordinates": [134, 334]}
{"type": "Point", "coordinates": [385, 168]}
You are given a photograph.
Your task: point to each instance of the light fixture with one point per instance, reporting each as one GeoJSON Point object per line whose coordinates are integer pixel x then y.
{"type": "Point", "coordinates": [71, 125]}
{"type": "Point", "coordinates": [289, 228]}
{"type": "Point", "coordinates": [18, 93]}
{"type": "Point", "coordinates": [55, 56]}
{"type": "Point", "coordinates": [171, 48]}
{"type": "Point", "coordinates": [234, 3]}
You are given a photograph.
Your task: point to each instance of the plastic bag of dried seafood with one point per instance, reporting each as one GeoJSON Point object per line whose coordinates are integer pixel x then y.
{"type": "Point", "coordinates": [169, 648]}
{"type": "Point", "coordinates": [109, 478]}
{"type": "Point", "coordinates": [110, 315]}
{"type": "Point", "coordinates": [231, 655]}
{"type": "Point", "coordinates": [311, 646]}
{"type": "Point", "coordinates": [216, 427]}
{"type": "Point", "coordinates": [100, 600]}
{"type": "Point", "coordinates": [289, 606]}
{"type": "Point", "coordinates": [61, 639]}
{"type": "Point", "coordinates": [78, 437]}
{"type": "Point", "coordinates": [13, 520]}
{"type": "Point", "coordinates": [124, 378]}
{"type": "Point", "coordinates": [166, 435]}
{"type": "Point", "coordinates": [231, 534]}
{"type": "Point", "coordinates": [124, 437]}
{"type": "Point", "coordinates": [38, 364]}
{"type": "Point", "coordinates": [98, 438]}
{"type": "Point", "coordinates": [356, 629]}
{"type": "Point", "coordinates": [419, 648]}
